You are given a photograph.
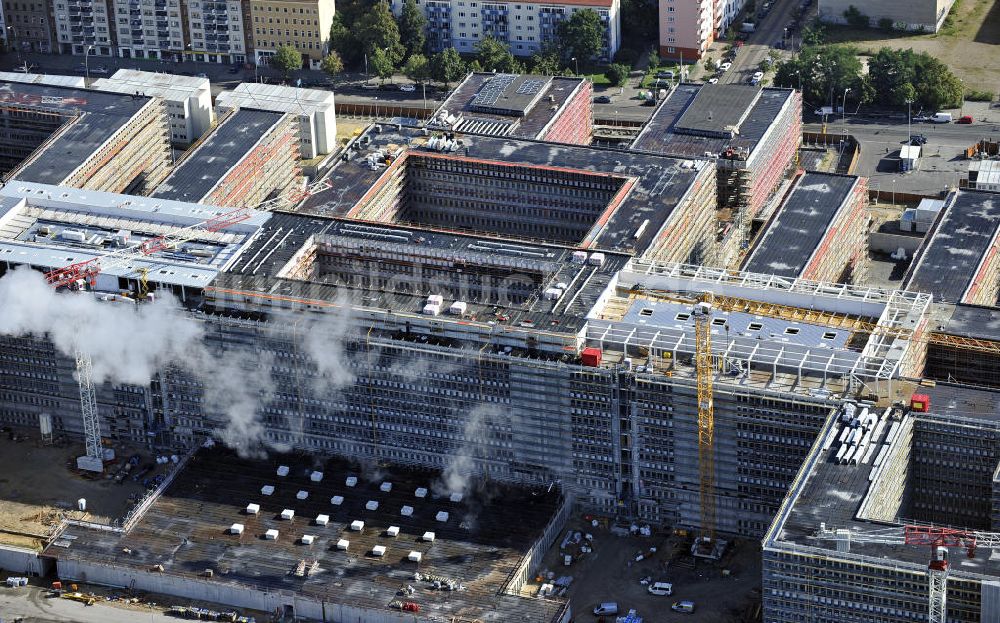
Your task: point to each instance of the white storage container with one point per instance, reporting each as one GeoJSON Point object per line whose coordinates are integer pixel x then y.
{"type": "Point", "coordinates": [406, 511]}
{"type": "Point", "coordinates": [393, 531]}
{"type": "Point", "coordinates": [316, 476]}
{"type": "Point", "coordinates": [337, 500]}
{"type": "Point", "coordinates": [322, 520]}
{"type": "Point", "coordinates": [252, 509]}
{"type": "Point", "coordinates": [343, 544]}
{"type": "Point", "coordinates": [288, 514]}
{"type": "Point", "coordinates": [441, 516]}
{"type": "Point", "coordinates": [428, 536]}
{"type": "Point", "coordinates": [414, 556]}
{"type": "Point", "coordinates": [352, 481]}
{"type": "Point", "coordinates": [378, 550]}
{"type": "Point", "coordinates": [302, 495]}
{"type": "Point", "coordinates": [386, 486]}
{"type": "Point", "coordinates": [371, 505]}
{"type": "Point", "coordinates": [421, 492]}
{"type": "Point", "coordinates": [271, 535]}
{"type": "Point", "coordinates": [236, 528]}
{"type": "Point", "coordinates": [307, 539]}
{"type": "Point", "coordinates": [282, 470]}
{"type": "Point", "coordinates": [357, 525]}
{"type": "Point", "coordinates": [267, 490]}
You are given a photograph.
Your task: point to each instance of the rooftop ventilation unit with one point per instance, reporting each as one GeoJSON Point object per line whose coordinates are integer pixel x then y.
{"type": "Point", "coordinates": [271, 535]}
{"type": "Point", "coordinates": [441, 516]}
{"type": "Point", "coordinates": [371, 505]}
{"type": "Point", "coordinates": [322, 520]}
{"type": "Point", "coordinates": [406, 511]}
{"type": "Point", "coordinates": [307, 539]}
{"type": "Point", "coordinates": [458, 308]}
{"type": "Point", "coordinates": [343, 544]}
{"type": "Point", "coordinates": [288, 514]}
{"type": "Point", "coordinates": [337, 500]}
{"type": "Point", "coordinates": [414, 556]}
{"type": "Point", "coordinates": [455, 497]}
{"type": "Point", "coordinates": [236, 528]}
{"type": "Point", "coordinates": [282, 470]}
{"type": "Point", "coordinates": [386, 486]}
{"type": "Point", "coordinates": [357, 525]}
{"type": "Point", "coordinates": [267, 490]}
{"type": "Point", "coordinates": [302, 495]}
{"type": "Point", "coordinates": [596, 259]}
{"type": "Point", "coordinates": [421, 492]}
{"type": "Point", "coordinates": [378, 550]}
{"type": "Point", "coordinates": [316, 476]}
{"type": "Point", "coordinates": [252, 509]}
{"type": "Point", "coordinates": [428, 536]}
{"type": "Point", "coordinates": [393, 531]}
{"type": "Point", "coordinates": [352, 481]}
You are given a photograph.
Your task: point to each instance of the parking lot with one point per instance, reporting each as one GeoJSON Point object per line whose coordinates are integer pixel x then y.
{"type": "Point", "coordinates": [725, 591]}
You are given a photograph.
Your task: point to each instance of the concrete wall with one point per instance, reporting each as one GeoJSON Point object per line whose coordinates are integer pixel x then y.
{"type": "Point", "coordinates": [912, 15]}
{"type": "Point", "coordinates": [21, 561]}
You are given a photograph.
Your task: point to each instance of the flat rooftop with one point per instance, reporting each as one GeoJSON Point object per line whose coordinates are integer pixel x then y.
{"type": "Point", "coordinates": [800, 224]}
{"type": "Point", "coordinates": [276, 98]}
{"type": "Point", "coordinates": [519, 106]}
{"type": "Point", "coordinates": [479, 545]}
{"type": "Point", "coordinates": [651, 186]}
{"type": "Point", "coordinates": [952, 256]}
{"type": "Point", "coordinates": [688, 124]}
{"type": "Point", "coordinates": [174, 87]}
{"type": "Point", "coordinates": [201, 170]}
{"type": "Point", "coordinates": [54, 226]}
{"type": "Point", "coordinates": [974, 321]}
{"type": "Point", "coordinates": [93, 118]}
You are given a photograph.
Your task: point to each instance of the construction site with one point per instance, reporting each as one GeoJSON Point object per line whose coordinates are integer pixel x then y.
{"type": "Point", "coordinates": [407, 387]}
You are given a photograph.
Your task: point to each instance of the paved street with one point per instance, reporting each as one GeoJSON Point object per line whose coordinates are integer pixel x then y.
{"type": "Point", "coordinates": [758, 45]}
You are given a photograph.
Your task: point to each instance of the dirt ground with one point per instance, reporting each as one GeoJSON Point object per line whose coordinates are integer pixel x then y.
{"type": "Point", "coordinates": [968, 46]}
{"type": "Point", "coordinates": [37, 488]}
{"type": "Point", "coordinates": [724, 591]}
{"type": "Point", "coordinates": [348, 128]}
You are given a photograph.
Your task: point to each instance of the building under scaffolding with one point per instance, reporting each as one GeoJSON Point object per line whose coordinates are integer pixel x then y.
{"type": "Point", "coordinates": [82, 138]}
{"type": "Point", "coordinates": [751, 133]}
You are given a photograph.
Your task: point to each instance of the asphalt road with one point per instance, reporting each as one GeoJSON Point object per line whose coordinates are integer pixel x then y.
{"type": "Point", "coordinates": [758, 45]}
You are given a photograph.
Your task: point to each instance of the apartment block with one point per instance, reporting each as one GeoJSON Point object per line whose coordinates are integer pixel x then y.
{"type": "Point", "coordinates": [218, 31]}
{"type": "Point", "coordinates": [302, 24]}
{"type": "Point", "coordinates": [188, 99]}
{"type": "Point", "coordinates": [921, 15]}
{"type": "Point", "coordinates": [149, 28]}
{"type": "Point", "coordinates": [28, 25]}
{"type": "Point", "coordinates": [526, 27]}
{"type": "Point", "coordinates": [85, 27]}
{"type": "Point", "coordinates": [314, 109]}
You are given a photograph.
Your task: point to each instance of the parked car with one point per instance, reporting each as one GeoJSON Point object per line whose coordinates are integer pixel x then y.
{"type": "Point", "coordinates": [725, 66]}
{"type": "Point", "coordinates": [660, 588]}
{"type": "Point", "coordinates": [918, 139]}
{"type": "Point", "coordinates": [758, 75]}
{"type": "Point", "coordinates": [100, 69]}
{"type": "Point", "coordinates": [669, 75]}
{"type": "Point", "coordinates": [407, 88]}
{"type": "Point", "coordinates": [713, 80]}
{"type": "Point", "coordinates": [606, 607]}
{"type": "Point", "coordinates": [965, 119]}
{"type": "Point", "coordinates": [683, 606]}
{"type": "Point", "coordinates": [941, 117]}
{"type": "Point", "coordinates": [369, 86]}
{"type": "Point", "coordinates": [923, 118]}
{"type": "Point", "coordinates": [602, 99]}
{"type": "Point", "coordinates": [201, 75]}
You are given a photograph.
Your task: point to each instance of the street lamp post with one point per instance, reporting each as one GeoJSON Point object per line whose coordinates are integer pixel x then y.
{"type": "Point", "coordinates": [15, 43]}
{"type": "Point", "coordinates": [576, 64]}
{"type": "Point", "coordinates": [843, 110]}
{"type": "Point", "coordinates": [86, 63]}
{"type": "Point", "coordinates": [893, 191]}
{"type": "Point", "coordinates": [909, 117]}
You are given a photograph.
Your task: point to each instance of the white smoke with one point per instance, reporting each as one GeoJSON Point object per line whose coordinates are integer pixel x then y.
{"type": "Point", "coordinates": [458, 474]}
{"type": "Point", "coordinates": [322, 339]}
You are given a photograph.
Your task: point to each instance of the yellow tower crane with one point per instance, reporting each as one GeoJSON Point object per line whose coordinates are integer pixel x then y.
{"type": "Point", "coordinates": [706, 414]}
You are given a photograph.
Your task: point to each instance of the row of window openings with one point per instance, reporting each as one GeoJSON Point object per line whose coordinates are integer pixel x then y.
{"type": "Point", "coordinates": [753, 326]}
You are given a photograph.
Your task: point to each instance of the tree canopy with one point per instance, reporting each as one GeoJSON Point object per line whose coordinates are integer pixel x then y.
{"type": "Point", "coordinates": [287, 59]}
{"type": "Point", "coordinates": [411, 28]}
{"type": "Point", "coordinates": [447, 66]}
{"type": "Point", "coordinates": [582, 35]}
{"type": "Point", "coordinates": [617, 74]}
{"type": "Point", "coordinates": [377, 30]}
{"type": "Point", "coordinates": [417, 68]}
{"type": "Point", "coordinates": [494, 55]}
{"type": "Point", "coordinates": [546, 63]}
{"type": "Point", "coordinates": [824, 73]}
{"type": "Point", "coordinates": [332, 64]}
{"type": "Point", "coordinates": [900, 75]}
{"type": "Point", "coordinates": [381, 64]}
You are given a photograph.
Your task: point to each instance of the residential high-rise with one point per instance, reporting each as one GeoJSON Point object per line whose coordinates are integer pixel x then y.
{"type": "Point", "coordinates": [149, 28]}
{"type": "Point", "coordinates": [302, 24]}
{"type": "Point", "coordinates": [688, 27]}
{"type": "Point", "coordinates": [27, 26]}
{"type": "Point", "coordinates": [83, 26]}
{"type": "Point", "coordinates": [217, 31]}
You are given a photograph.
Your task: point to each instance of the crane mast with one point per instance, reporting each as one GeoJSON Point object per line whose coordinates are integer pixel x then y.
{"type": "Point", "coordinates": [93, 460]}
{"type": "Point", "coordinates": [706, 414]}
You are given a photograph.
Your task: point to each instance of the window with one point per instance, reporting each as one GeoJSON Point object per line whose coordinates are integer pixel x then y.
{"type": "Point", "coordinates": [718, 322]}
{"type": "Point", "coordinates": [646, 312]}
{"type": "Point", "coordinates": [830, 335]}
{"type": "Point", "coordinates": [755, 326]}
{"type": "Point", "coordinates": [682, 316]}
{"type": "Point", "coordinates": [792, 331]}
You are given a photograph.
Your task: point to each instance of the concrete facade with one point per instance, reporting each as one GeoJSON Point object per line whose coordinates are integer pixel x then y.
{"type": "Point", "coordinates": [925, 15]}
{"type": "Point", "coordinates": [149, 28]}
{"type": "Point", "coordinates": [27, 26]}
{"type": "Point", "coordinates": [188, 99]}
{"type": "Point", "coordinates": [84, 27]}
{"type": "Point", "coordinates": [303, 24]}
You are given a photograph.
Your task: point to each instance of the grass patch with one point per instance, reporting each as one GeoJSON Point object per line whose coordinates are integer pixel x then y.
{"type": "Point", "coordinates": [978, 96]}
{"type": "Point", "coordinates": [598, 78]}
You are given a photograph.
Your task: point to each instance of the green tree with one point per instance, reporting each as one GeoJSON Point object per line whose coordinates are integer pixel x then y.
{"type": "Point", "coordinates": [582, 35]}
{"type": "Point", "coordinates": [412, 24]}
{"type": "Point", "coordinates": [417, 68]}
{"type": "Point", "coordinates": [494, 55]}
{"type": "Point", "coordinates": [447, 66]}
{"type": "Point", "coordinates": [377, 30]}
{"type": "Point", "coordinates": [813, 35]}
{"type": "Point", "coordinates": [381, 64]}
{"type": "Point", "coordinates": [855, 18]}
{"type": "Point", "coordinates": [936, 87]}
{"type": "Point", "coordinates": [887, 24]}
{"type": "Point", "coordinates": [545, 63]}
{"type": "Point", "coordinates": [617, 74]}
{"type": "Point", "coordinates": [287, 59]}
{"type": "Point", "coordinates": [332, 64]}
{"type": "Point", "coordinates": [342, 38]}
{"type": "Point", "coordinates": [824, 73]}
{"type": "Point", "coordinates": [900, 75]}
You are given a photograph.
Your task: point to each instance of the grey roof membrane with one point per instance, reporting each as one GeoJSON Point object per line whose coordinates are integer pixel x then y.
{"type": "Point", "coordinates": [718, 109]}
{"type": "Point", "coordinates": [100, 116]}
{"type": "Point", "coordinates": [228, 144]}
{"type": "Point", "coordinates": [800, 224]}
{"type": "Point", "coordinates": [950, 259]}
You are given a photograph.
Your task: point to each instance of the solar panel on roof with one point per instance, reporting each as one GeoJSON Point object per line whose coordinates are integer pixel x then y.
{"type": "Point", "coordinates": [493, 89]}
{"type": "Point", "coordinates": [530, 87]}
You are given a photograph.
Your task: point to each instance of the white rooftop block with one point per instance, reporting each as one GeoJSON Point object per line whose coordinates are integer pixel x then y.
{"type": "Point", "coordinates": [302, 495]}
{"type": "Point", "coordinates": [428, 536]}
{"type": "Point", "coordinates": [386, 487]}
{"type": "Point", "coordinates": [431, 309]}
{"type": "Point", "coordinates": [252, 509]}
{"type": "Point", "coordinates": [307, 539]}
{"type": "Point", "coordinates": [337, 500]}
{"type": "Point", "coordinates": [435, 299]}
{"type": "Point", "coordinates": [393, 531]}
{"type": "Point", "coordinates": [455, 497]}
{"type": "Point", "coordinates": [357, 525]}
{"type": "Point", "coordinates": [313, 107]}
{"type": "Point", "coordinates": [414, 556]}
{"type": "Point", "coordinates": [378, 550]}
{"type": "Point", "coordinates": [596, 259]}
{"type": "Point", "coordinates": [458, 308]}
{"type": "Point", "coordinates": [441, 516]}
{"type": "Point", "coordinates": [271, 535]}
{"type": "Point", "coordinates": [288, 514]}
{"type": "Point", "coordinates": [267, 490]}
{"type": "Point", "coordinates": [421, 492]}
{"type": "Point", "coordinates": [371, 505]}
{"type": "Point", "coordinates": [343, 544]}
{"type": "Point", "coordinates": [316, 476]}
{"type": "Point", "coordinates": [236, 528]}
{"type": "Point", "coordinates": [351, 481]}
{"type": "Point", "coordinates": [406, 511]}
{"type": "Point", "coordinates": [322, 520]}
{"type": "Point", "coordinates": [282, 470]}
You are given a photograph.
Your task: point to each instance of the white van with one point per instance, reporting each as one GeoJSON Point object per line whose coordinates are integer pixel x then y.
{"type": "Point", "coordinates": [941, 117]}
{"type": "Point", "coordinates": [683, 606]}
{"type": "Point", "coordinates": [661, 588]}
{"type": "Point", "coordinates": [607, 607]}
